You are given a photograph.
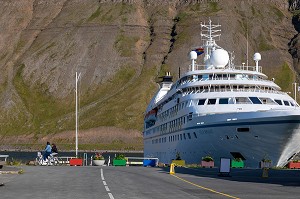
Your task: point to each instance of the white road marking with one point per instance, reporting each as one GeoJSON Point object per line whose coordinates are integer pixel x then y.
{"type": "Point", "coordinates": [106, 187]}
{"type": "Point", "coordinates": [102, 177]}
{"type": "Point", "coordinates": [111, 196]}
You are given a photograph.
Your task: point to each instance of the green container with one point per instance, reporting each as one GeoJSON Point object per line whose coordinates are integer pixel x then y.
{"type": "Point", "coordinates": [119, 162]}
{"type": "Point", "coordinates": [237, 164]}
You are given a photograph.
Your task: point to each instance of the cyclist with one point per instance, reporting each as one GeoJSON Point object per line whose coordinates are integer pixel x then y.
{"type": "Point", "coordinates": [47, 151]}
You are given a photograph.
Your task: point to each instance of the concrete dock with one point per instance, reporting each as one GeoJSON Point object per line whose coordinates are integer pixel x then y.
{"type": "Point", "coordinates": [142, 183]}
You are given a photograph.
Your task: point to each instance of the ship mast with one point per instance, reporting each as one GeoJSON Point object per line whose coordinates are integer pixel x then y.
{"type": "Point", "coordinates": [208, 33]}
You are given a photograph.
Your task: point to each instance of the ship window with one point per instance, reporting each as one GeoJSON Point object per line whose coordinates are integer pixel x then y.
{"type": "Point", "coordinates": [223, 101]}
{"type": "Point", "coordinates": [292, 103]}
{"type": "Point", "coordinates": [211, 101]}
{"type": "Point", "coordinates": [255, 100]}
{"type": "Point", "coordinates": [184, 136]}
{"type": "Point", "coordinates": [242, 100]}
{"type": "Point", "coordinates": [244, 129]}
{"type": "Point", "coordinates": [190, 117]}
{"type": "Point", "coordinates": [267, 101]}
{"type": "Point", "coordinates": [189, 135]}
{"type": "Point", "coordinates": [278, 102]}
{"type": "Point", "coordinates": [286, 103]}
{"type": "Point", "coordinates": [180, 136]}
{"type": "Point", "coordinates": [201, 101]}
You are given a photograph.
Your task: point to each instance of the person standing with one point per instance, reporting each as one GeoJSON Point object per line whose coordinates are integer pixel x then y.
{"type": "Point", "coordinates": [54, 148]}
{"type": "Point", "coordinates": [47, 151]}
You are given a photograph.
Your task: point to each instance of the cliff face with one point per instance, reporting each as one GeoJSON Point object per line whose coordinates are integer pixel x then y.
{"type": "Point", "coordinates": [120, 47]}
{"type": "Point", "coordinates": [294, 7]}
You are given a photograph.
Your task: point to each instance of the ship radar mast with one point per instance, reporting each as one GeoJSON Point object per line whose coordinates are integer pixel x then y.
{"type": "Point", "coordinates": [208, 34]}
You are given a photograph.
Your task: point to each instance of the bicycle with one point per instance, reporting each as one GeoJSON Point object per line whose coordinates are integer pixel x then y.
{"type": "Point", "coordinates": [51, 160]}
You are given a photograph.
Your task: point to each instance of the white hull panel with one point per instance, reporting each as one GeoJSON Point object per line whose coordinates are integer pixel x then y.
{"type": "Point", "coordinates": [270, 135]}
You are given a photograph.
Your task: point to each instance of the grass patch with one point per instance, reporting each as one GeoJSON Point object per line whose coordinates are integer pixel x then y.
{"type": "Point", "coordinates": [45, 49]}
{"type": "Point", "coordinates": [111, 13]}
{"type": "Point", "coordinates": [126, 108]}
{"type": "Point", "coordinates": [285, 77]}
{"type": "Point", "coordinates": [20, 45]}
{"type": "Point", "coordinates": [213, 7]}
{"type": "Point", "coordinates": [125, 45]}
{"type": "Point", "coordinates": [277, 12]}
{"type": "Point", "coordinates": [181, 16]}
{"type": "Point", "coordinates": [95, 14]}
{"type": "Point", "coordinates": [263, 44]}
{"type": "Point", "coordinates": [43, 108]}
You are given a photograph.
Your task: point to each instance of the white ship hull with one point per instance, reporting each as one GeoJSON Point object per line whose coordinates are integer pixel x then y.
{"type": "Point", "coordinates": [271, 134]}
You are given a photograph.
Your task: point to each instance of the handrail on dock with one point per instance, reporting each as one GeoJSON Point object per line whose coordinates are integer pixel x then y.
{"type": "Point", "coordinates": [139, 158]}
{"type": "Point", "coordinates": [4, 156]}
{"type": "Point", "coordinates": [64, 159]}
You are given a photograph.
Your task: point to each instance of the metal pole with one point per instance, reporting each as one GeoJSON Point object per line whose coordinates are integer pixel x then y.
{"type": "Point", "coordinates": [76, 147]}
{"type": "Point", "coordinates": [295, 94]}
{"type": "Point", "coordinates": [76, 128]}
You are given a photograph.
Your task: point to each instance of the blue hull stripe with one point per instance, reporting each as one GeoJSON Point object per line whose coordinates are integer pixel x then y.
{"type": "Point", "coordinates": [230, 124]}
{"type": "Point", "coordinates": [245, 123]}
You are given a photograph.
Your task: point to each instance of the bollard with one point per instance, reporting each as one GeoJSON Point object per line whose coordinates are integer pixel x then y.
{"type": "Point", "coordinates": [172, 169]}
{"type": "Point", "coordinates": [265, 172]}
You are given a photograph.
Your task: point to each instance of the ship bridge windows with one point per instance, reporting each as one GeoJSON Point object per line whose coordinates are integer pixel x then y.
{"type": "Point", "coordinates": [255, 100]}
{"type": "Point", "coordinates": [223, 100]}
{"type": "Point", "coordinates": [279, 102]}
{"type": "Point", "coordinates": [267, 101]}
{"type": "Point", "coordinates": [211, 101]}
{"type": "Point", "coordinates": [242, 100]}
{"type": "Point", "coordinates": [201, 101]}
{"type": "Point", "coordinates": [286, 103]}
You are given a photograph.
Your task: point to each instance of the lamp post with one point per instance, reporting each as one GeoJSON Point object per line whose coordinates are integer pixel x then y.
{"type": "Point", "coordinates": [76, 113]}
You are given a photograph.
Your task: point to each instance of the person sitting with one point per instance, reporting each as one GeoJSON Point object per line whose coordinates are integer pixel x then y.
{"type": "Point", "coordinates": [47, 151]}
{"type": "Point", "coordinates": [54, 149]}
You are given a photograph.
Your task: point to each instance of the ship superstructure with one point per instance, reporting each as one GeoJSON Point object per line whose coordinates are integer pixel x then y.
{"type": "Point", "coordinates": [221, 110]}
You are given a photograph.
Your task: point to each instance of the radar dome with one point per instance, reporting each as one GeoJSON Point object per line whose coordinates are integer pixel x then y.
{"type": "Point", "coordinates": [193, 55]}
{"type": "Point", "coordinates": [257, 57]}
{"type": "Point", "coordinates": [219, 58]}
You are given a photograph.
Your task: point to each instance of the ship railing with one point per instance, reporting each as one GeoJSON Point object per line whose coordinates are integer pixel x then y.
{"type": "Point", "coordinates": [222, 78]}
{"type": "Point", "coordinates": [231, 90]}
{"type": "Point", "coordinates": [234, 67]}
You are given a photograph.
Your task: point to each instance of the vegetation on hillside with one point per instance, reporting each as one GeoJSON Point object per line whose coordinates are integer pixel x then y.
{"type": "Point", "coordinates": [121, 49]}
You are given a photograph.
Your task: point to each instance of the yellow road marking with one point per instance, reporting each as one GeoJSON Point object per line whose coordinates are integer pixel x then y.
{"type": "Point", "coordinates": [211, 190]}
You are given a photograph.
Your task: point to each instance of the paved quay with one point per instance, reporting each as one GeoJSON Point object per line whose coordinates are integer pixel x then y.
{"type": "Point", "coordinates": [143, 183]}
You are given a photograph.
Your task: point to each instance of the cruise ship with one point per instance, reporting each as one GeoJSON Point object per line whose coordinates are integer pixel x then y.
{"type": "Point", "coordinates": [220, 109]}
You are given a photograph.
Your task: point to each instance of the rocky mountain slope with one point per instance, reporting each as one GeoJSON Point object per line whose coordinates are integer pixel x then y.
{"type": "Point", "coordinates": [120, 47]}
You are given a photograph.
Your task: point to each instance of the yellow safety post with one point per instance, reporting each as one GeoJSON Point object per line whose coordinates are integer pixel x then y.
{"type": "Point", "coordinates": [172, 169]}
{"type": "Point", "coordinates": [265, 172]}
